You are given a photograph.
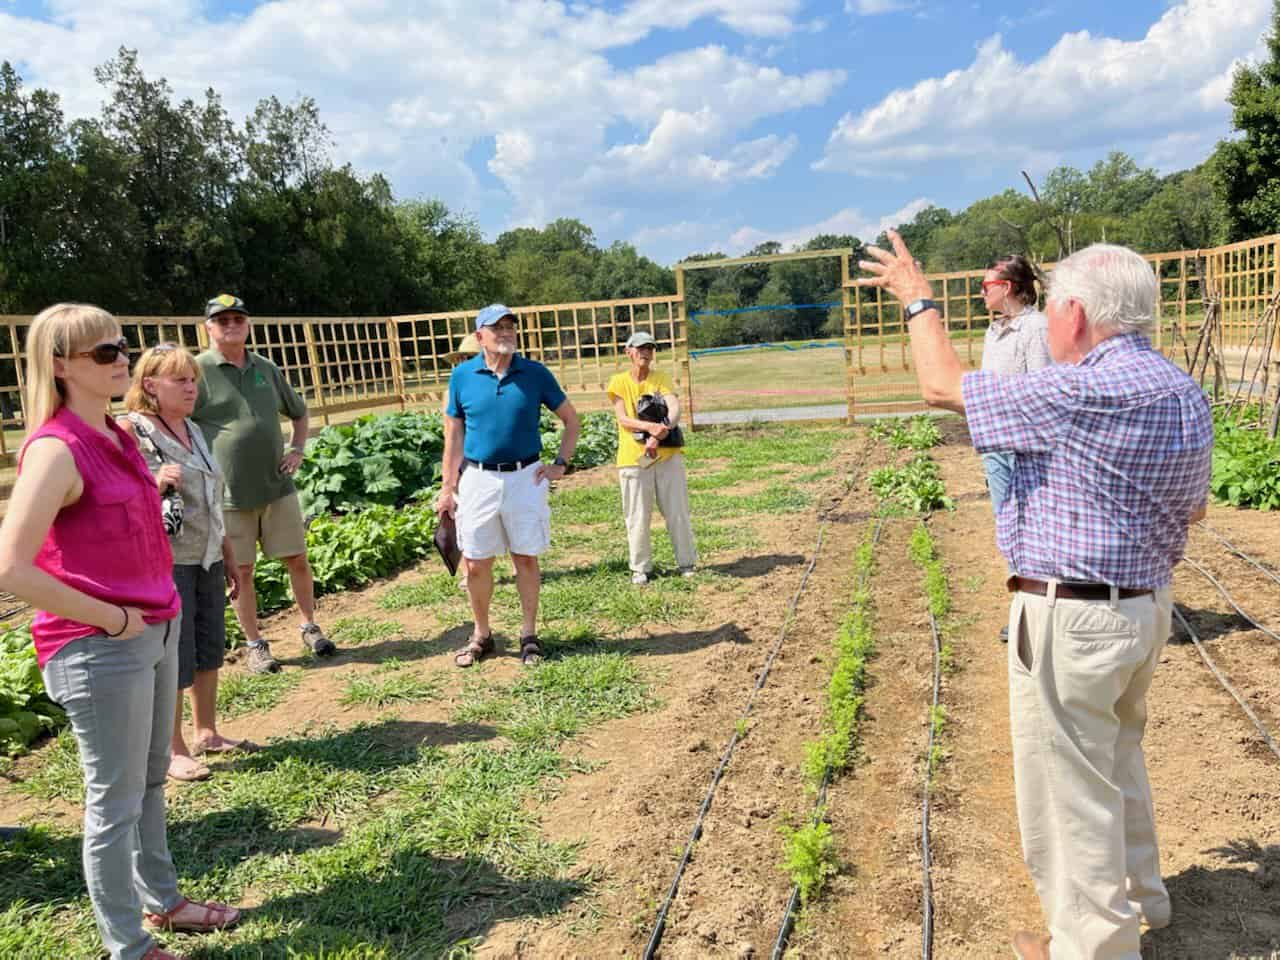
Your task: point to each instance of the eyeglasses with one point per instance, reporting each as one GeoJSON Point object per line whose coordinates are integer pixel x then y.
{"type": "Point", "coordinates": [229, 319]}
{"type": "Point", "coordinates": [987, 284]}
{"type": "Point", "coordinates": [104, 353]}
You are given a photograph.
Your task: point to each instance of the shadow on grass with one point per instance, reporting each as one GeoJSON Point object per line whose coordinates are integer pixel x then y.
{"type": "Point", "coordinates": [758, 566]}
{"type": "Point", "coordinates": [370, 748]}
{"type": "Point", "coordinates": [403, 648]}
{"type": "Point", "coordinates": [677, 642]}
{"type": "Point", "coordinates": [415, 905]}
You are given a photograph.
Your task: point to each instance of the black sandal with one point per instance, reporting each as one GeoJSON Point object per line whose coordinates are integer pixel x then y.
{"type": "Point", "coordinates": [530, 650]}
{"type": "Point", "coordinates": [473, 651]}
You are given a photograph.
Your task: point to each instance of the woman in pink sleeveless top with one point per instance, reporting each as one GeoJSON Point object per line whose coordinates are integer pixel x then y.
{"type": "Point", "coordinates": [83, 542]}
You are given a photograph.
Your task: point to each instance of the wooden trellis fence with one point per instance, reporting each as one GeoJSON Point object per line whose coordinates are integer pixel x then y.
{"type": "Point", "coordinates": [341, 364]}
{"type": "Point", "coordinates": [1241, 277]}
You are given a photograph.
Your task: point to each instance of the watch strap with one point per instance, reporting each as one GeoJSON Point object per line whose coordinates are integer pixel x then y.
{"type": "Point", "coordinates": [917, 307]}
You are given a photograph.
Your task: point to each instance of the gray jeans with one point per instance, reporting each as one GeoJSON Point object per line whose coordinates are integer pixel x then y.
{"type": "Point", "coordinates": [119, 696]}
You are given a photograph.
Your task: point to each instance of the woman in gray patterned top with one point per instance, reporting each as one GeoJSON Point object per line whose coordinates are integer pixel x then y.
{"type": "Point", "coordinates": [1017, 341]}
{"type": "Point", "coordinates": [159, 401]}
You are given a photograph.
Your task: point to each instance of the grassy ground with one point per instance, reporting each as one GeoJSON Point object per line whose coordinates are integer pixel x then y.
{"type": "Point", "coordinates": [409, 830]}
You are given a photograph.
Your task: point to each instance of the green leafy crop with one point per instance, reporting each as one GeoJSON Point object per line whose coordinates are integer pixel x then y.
{"type": "Point", "coordinates": [25, 711]}
{"type": "Point", "coordinates": [1246, 463]}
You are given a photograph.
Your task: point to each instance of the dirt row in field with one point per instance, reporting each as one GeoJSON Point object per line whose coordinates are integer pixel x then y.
{"type": "Point", "coordinates": [636, 814]}
{"type": "Point", "coordinates": [1216, 788]}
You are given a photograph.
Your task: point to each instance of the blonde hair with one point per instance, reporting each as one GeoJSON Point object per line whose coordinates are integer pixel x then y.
{"type": "Point", "coordinates": [59, 331]}
{"type": "Point", "coordinates": [162, 360]}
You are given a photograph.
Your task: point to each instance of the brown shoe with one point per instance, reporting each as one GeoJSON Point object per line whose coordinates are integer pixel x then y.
{"type": "Point", "coordinates": [313, 639]}
{"type": "Point", "coordinates": [258, 659]}
{"type": "Point", "coordinates": [1030, 946]}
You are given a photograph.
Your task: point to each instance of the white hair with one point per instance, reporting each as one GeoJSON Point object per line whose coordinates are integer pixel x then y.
{"type": "Point", "coordinates": [1116, 287]}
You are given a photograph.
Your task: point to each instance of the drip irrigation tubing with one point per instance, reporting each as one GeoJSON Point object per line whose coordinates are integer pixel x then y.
{"type": "Point", "coordinates": [1231, 600]}
{"type": "Point", "coordinates": [926, 856]}
{"type": "Point", "coordinates": [1226, 684]}
{"type": "Point", "coordinates": [1236, 551]}
{"type": "Point", "coordinates": [789, 915]}
{"type": "Point", "coordinates": [659, 926]}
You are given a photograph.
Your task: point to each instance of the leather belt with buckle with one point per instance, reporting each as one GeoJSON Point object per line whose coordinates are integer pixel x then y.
{"type": "Point", "coordinates": [511, 466]}
{"type": "Point", "coordinates": [1072, 591]}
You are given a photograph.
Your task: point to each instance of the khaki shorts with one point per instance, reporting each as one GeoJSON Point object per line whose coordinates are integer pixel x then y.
{"type": "Point", "coordinates": [278, 526]}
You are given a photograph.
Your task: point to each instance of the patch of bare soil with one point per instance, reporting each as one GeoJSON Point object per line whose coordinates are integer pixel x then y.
{"type": "Point", "coordinates": [982, 891]}
{"type": "Point", "coordinates": [873, 907]}
{"type": "Point", "coordinates": [1216, 785]}
{"type": "Point", "coordinates": [634, 816]}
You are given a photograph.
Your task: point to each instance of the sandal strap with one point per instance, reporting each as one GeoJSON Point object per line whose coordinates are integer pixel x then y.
{"type": "Point", "coordinates": [213, 915]}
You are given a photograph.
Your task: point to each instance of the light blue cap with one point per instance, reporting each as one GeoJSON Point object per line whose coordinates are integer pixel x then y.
{"type": "Point", "coordinates": [492, 314]}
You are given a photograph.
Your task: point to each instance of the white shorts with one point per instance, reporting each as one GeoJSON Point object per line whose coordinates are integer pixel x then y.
{"type": "Point", "coordinates": [503, 513]}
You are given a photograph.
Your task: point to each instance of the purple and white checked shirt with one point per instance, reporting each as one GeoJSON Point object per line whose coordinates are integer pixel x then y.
{"type": "Point", "coordinates": [1114, 455]}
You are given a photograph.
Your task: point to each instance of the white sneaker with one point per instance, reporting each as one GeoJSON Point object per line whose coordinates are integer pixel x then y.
{"type": "Point", "coordinates": [687, 571]}
{"type": "Point", "coordinates": [639, 579]}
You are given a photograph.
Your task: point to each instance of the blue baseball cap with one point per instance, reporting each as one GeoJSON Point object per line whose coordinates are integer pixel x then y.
{"type": "Point", "coordinates": [492, 314]}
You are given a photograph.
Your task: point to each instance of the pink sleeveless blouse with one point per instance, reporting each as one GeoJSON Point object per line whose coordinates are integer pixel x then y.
{"type": "Point", "coordinates": [111, 542]}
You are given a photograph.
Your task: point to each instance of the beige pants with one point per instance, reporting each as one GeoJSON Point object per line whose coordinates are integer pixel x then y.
{"type": "Point", "coordinates": [1078, 677]}
{"type": "Point", "coordinates": [665, 483]}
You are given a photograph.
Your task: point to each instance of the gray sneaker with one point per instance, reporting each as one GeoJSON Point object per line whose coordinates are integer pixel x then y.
{"type": "Point", "coordinates": [315, 641]}
{"type": "Point", "coordinates": [258, 659]}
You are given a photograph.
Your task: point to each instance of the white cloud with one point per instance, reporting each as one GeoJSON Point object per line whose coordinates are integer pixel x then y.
{"type": "Point", "coordinates": [410, 88]}
{"type": "Point", "coordinates": [870, 8]}
{"type": "Point", "coordinates": [1087, 92]}
{"type": "Point", "coordinates": [848, 220]}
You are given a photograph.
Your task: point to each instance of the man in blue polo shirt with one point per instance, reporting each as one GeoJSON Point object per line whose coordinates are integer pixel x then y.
{"type": "Point", "coordinates": [492, 436]}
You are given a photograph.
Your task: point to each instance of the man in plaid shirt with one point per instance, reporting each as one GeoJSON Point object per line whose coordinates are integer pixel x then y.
{"type": "Point", "coordinates": [1113, 452]}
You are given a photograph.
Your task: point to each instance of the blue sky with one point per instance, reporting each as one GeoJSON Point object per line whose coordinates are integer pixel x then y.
{"type": "Point", "coordinates": [698, 125]}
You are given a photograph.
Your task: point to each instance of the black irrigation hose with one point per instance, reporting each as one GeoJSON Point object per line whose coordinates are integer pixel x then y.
{"type": "Point", "coordinates": [926, 857]}
{"type": "Point", "coordinates": [789, 916]}
{"type": "Point", "coordinates": [1213, 668]}
{"type": "Point", "coordinates": [659, 927]}
{"type": "Point", "coordinates": [1226, 596]}
{"type": "Point", "coordinates": [1233, 549]}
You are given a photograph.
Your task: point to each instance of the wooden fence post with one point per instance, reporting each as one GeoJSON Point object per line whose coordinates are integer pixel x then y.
{"type": "Point", "coordinates": [683, 317]}
{"type": "Point", "coordinates": [397, 363]}
{"type": "Point", "coordinates": [845, 309]}
{"type": "Point", "coordinates": [313, 361]}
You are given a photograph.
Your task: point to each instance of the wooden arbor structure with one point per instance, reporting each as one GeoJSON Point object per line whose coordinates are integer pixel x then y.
{"type": "Point", "coordinates": [844, 254]}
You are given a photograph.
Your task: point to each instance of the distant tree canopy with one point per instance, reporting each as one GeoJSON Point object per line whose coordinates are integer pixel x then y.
{"type": "Point", "coordinates": [1245, 172]}
{"type": "Point", "coordinates": [156, 204]}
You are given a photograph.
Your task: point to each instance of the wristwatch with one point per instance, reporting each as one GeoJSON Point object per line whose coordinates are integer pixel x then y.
{"type": "Point", "coordinates": [560, 462]}
{"type": "Point", "coordinates": [917, 307]}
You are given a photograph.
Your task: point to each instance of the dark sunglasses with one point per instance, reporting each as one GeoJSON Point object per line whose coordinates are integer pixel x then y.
{"type": "Point", "coordinates": [227, 319]}
{"type": "Point", "coordinates": [105, 353]}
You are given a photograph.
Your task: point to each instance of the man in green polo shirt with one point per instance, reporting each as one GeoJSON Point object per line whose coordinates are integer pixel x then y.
{"type": "Point", "coordinates": [242, 397]}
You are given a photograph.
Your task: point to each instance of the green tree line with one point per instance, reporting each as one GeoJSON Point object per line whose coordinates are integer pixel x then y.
{"type": "Point", "coordinates": [157, 204]}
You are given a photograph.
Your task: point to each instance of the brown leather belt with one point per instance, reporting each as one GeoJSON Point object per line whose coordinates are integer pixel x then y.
{"type": "Point", "coordinates": [1071, 591]}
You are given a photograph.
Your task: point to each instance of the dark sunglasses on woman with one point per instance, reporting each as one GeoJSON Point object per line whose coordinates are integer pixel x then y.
{"type": "Point", "coordinates": [105, 353]}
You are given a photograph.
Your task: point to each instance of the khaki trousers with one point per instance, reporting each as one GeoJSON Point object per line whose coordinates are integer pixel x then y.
{"type": "Point", "coordinates": [664, 483]}
{"type": "Point", "coordinates": [1078, 677]}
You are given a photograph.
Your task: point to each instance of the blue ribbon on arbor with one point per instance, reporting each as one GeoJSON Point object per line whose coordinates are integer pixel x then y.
{"type": "Point", "coordinates": [777, 306]}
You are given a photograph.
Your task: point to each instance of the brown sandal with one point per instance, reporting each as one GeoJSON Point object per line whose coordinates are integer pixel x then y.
{"type": "Point", "coordinates": [475, 650]}
{"type": "Point", "coordinates": [530, 650]}
{"type": "Point", "coordinates": [216, 916]}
